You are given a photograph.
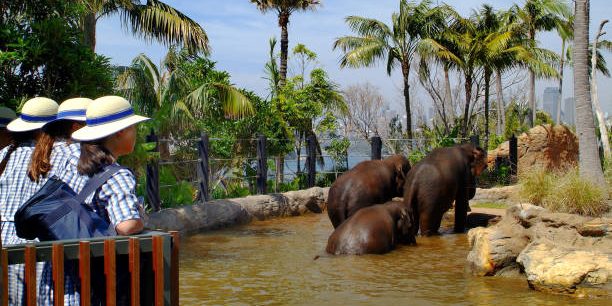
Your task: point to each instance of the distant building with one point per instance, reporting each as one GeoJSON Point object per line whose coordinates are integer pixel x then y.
{"type": "Point", "coordinates": [569, 109]}
{"type": "Point", "coordinates": [551, 96]}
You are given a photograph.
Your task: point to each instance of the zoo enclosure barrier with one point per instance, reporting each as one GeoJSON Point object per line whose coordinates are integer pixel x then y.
{"type": "Point", "coordinates": [204, 158]}
{"type": "Point", "coordinates": [154, 283]}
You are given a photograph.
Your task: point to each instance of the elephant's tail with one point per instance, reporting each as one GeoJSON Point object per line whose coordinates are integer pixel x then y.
{"type": "Point", "coordinates": [316, 257]}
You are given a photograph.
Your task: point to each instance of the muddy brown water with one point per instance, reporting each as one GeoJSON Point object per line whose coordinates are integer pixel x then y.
{"type": "Point", "coordinates": [271, 263]}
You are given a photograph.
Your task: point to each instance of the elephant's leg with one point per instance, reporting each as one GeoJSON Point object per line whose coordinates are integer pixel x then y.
{"type": "Point", "coordinates": [428, 223]}
{"type": "Point", "coordinates": [461, 209]}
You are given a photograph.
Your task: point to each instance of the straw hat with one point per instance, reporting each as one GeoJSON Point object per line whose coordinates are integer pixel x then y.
{"type": "Point", "coordinates": [34, 115]}
{"type": "Point", "coordinates": [106, 116]}
{"type": "Point", "coordinates": [6, 115]}
{"type": "Point", "coordinates": [73, 109]}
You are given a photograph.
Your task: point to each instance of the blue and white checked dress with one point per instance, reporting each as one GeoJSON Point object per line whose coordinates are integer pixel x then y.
{"type": "Point", "coordinates": [15, 189]}
{"type": "Point", "coordinates": [117, 196]}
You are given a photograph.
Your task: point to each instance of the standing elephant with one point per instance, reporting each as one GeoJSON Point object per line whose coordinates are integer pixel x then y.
{"type": "Point", "coordinates": [443, 176]}
{"type": "Point", "coordinates": [368, 183]}
{"type": "Point", "coordinates": [372, 230]}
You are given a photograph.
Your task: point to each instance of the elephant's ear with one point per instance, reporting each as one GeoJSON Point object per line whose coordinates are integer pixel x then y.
{"type": "Point", "coordinates": [404, 224]}
{"type": "Point", "coordinates": [478, 161]}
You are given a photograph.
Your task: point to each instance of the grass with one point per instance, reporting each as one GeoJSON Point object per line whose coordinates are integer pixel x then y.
{"type": "Point", "coordinates": [496, 205]}
{"type": "Point", "coordinates": [564, 192]}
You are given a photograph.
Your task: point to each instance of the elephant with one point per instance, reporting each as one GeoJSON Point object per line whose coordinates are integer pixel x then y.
{"type": "Point", "coordinates": [368, 183]}
{"type": "Point", "coordinates": [443, 176]}
{"type": "Point", "coordinates": [372, 230]}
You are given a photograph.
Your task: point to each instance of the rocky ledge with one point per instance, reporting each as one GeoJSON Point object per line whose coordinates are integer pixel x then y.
{"type": "Point", "coordinates": [556, 252]}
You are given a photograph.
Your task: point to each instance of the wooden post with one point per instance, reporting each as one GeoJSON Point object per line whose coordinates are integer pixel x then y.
{"type": "Point", "coordinates": [174, 273]}
{"type": "Point", "coordinates": [262, 165]}
{"type": "Point", "coordinates": [85, 272]}
{"type": "Point", "coordinates": [134, 266]}
{"type": "Point", "coordinates": [158, 270]}
{"type": "Point", "coordinates": [513, 156]}
{"type": "Point", "coordinates": [4, 263]}
{"type": "Point", "coordinates": [311, 161]}
{"type": "Point", "coordinates": [30, 275]}
{"type": "Point", "coordinates": [110, 271]}
{"type": "Point", "coordinates": [152, 194]}
{"type": "Point", "coordinates": [376, 148]}
{"type": "Point", "coordinates": [475, 140]}
{"type": "Point", "coordinates": [204, 167]}
{"type": "Point", "coordinates": [57, 260]}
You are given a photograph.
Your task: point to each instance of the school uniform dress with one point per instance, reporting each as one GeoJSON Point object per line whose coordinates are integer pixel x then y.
{"type": "Point", "coordinates": [15, 189]}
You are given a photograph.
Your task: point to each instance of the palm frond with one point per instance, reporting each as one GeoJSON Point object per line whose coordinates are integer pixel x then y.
{"type": "Point", "coordinates": [360, 51]}
{"type": "Point", "coordinates": [368, 27]}
{"type": "Point", "coordinates": [157, 20]}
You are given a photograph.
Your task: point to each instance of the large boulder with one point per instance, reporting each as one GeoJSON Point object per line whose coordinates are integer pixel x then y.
{"type": "Point", "coordinates": [544, 146]}
{"type": "Point", "coordinates": [560, 253]}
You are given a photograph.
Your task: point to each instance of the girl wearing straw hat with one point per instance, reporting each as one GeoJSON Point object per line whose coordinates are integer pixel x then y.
{"type": "Point", "coordinates": [6, 115]}
{"type": "Point", "coordinates": [25, 165]}
{"type": "Point", "coordinates": [70, 118]}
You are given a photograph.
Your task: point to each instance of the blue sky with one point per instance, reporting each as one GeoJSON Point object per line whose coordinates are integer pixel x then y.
{"type": "Point", "coordinates": [239, 35]}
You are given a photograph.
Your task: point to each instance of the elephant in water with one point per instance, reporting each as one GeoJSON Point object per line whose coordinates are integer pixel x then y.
{"type": "Point", "coordinates": [368, 183]}
{"type": "Point", "coordinates": [443, 176]}
{"type": "Point", "coordinates": [372, 230]}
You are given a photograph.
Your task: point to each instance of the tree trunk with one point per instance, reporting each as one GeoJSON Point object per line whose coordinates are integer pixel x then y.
{"type": "Point", "coordinates": [283, 22]}
{"type": "Point", "coordinates": [448, 98]}
{"type": "Point", "coordinates": [532, 99]}
{"type": "Point", "coordinates": [589, 164]}
{"type": "Point", "coordinates": [501, 108]}
{"type": "Point", "coordinates": [89, 31]}
{"type": "Point", "coordinates": [558, 121]}
{"type": "Point", "coordinates": [603, 130]}
{"type": "Point", "coordinates": [406, 74]}
{"type": "Point", "coordinates": [487, 79]}
{"type": "Point", "coordinates": [466, 109]}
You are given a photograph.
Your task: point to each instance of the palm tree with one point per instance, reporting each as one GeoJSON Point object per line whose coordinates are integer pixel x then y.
{"type": "Point", "coordinates": [151, 20]}
{"type": "Point", "coordinates": [174, 103]}
{"type": "Point", "coordinates": [397, 44]}
{"type": "Point", "coordinates": [565, 29]}
{"type": "Point", "coordinates": [284, 9]}
{"type": "Point", "coordinates": [603, 129]}
{"type": "Point", "coordinates": [589, 164]}
{"type": "Point", "coordinates": [537, 15]}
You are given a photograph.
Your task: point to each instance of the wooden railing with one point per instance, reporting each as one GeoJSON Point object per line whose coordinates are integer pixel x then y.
{"type": "Point", "coordinates": [161, 250]}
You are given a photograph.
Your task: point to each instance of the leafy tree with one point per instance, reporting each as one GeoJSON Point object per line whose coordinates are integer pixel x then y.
{"type": "Point", "coordinates": [41, 54]}
{"type": "Point", "coordinates": [185, 89]}
{"type": "Point", "coordinates": [150, 20]}
{"type": "Point", "coordinates": [397, 43]}
{"type": "Point", "coordinates": [284, 9]}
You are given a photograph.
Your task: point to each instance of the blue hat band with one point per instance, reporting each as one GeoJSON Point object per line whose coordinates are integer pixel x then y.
{"type": "Point", "coordinates": [37, 119]}
{"type": "Point", "coordinates": [71, 113]}
{"type": "Point", "coordinates": [110, 118]}
{"type": "Point", "coordinates": [5, 121]}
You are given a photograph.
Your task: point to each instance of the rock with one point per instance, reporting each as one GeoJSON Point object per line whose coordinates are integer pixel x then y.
{"type": "Point", "coordinates": [544, 146]}
{"type": "Point", "coordinates": [562, 270]}
{"type": "Point", "coordinates": [496, 247]}
{"type": "Point", "coordinates": [560, 253]}
{"type": "Point", "coordinates": [499, 194]}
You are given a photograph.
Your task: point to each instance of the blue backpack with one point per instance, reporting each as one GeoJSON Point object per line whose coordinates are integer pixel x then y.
{"type": "Point", "coordinates": [56, 212]}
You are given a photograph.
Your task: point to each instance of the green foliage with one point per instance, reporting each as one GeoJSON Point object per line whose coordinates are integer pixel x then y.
{"type": "Point", "coordinates": [230, 190]}
{"type": "Point", "coordinates": [536, 185]}
{"type": "Point", "coordinates": [564, 192]}
{"type": "Point", "coordinates": [495, 205]}
{"type": "Point", "coordinates": [495, 141]}
{"type": "Point", "coordinates": [543, 117]}
{"type": "Point", "coordinates": [415, 156]}
{"type": "Point", "coordinates": [516, 116]}
{"type": "Point", "coordinates": [41, 53]}
{"type": "Point", "coordinates": [172, 193]}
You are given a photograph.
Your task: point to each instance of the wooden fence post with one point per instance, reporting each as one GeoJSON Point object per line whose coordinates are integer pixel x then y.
{"type": "Point", "coordinates": [311, 161]}
{"type": "Point", "coordinates": [203, 167]}
{"type": "Point", "coordinates": [475, 140]}
{"type": "Point", "coordinates": [152, 180]}
{"type": "Point", "coordinates": [376, 148]}
{"type": "Point", "coordinates": [262, 165]}
{"type": "Point", "coordinates": [513, 156]}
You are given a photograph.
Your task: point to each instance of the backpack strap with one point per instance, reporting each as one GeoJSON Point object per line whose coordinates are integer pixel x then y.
{"type": "Point", "coordinates": [97, 181]}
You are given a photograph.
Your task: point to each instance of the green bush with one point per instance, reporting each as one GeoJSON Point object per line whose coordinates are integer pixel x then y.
{"type": "Point", "coordinates": [230, 190]}
{"type": "Point", "coordinates": [563, 192]}
{"type": "Point", "coordinates": [536, 185]}
{"type": "Point", "coordinates": [573, 194]}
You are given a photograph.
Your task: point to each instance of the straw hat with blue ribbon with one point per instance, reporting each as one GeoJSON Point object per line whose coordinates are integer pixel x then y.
{"type": "Point", "coordinates": [73, 109]}
{"type": "Point", "coordinates": [106, 116]}
{"type": "Point", "coordinates": [34, 115]}
{"type": "Point", "coordinates": [6, 115]}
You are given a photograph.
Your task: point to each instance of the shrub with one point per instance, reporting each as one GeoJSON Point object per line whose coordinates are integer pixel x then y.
{"type": "Point", "coordinates": [536, 185]}
{"type": "Point", "coordinates": [575, 195]}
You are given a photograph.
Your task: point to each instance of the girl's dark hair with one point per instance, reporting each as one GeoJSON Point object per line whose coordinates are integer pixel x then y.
{"type": "Point", "coordinates": [94, 157]}
{"type": "Point", "coordinates": [40, 164]}
{"type": "Point", "coordinates": [17, 140]}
